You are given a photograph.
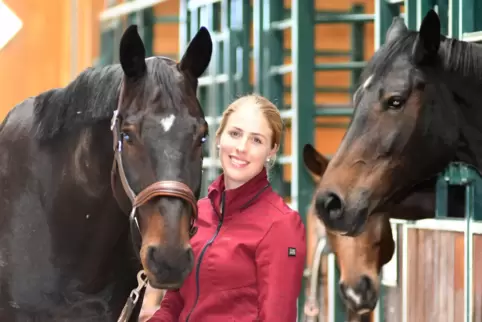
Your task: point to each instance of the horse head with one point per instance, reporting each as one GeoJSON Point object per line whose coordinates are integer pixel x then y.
{"type": "Point", "coordinates": [405, 129]}
{"type": "Point", "coordinates": [359, 258]}
{"type": "Point", "coordinates": [158, 130]}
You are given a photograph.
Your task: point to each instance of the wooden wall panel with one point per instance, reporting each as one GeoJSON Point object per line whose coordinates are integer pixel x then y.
{"type": "Point", "coordinates": [435, 278]}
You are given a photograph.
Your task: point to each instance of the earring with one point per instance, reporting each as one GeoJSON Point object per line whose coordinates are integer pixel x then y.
{"type": "Point", "coordinates": [218, 146]}
{"type": "Point", "coordinates": [268, 159]}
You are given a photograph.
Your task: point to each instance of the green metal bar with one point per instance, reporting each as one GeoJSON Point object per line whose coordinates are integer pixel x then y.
{"type": "Point", "coordinates": [344, 17]}
{"type": "Point", "coordinates": [357, 45]}
{"type": "Point", "coordinates": [341, 66]}
{"type": "Point", "coordinates": [184, 23]}
{"type": "Point", "coordinates": [466, 17]}
{"type": "Point", "coordinates": [333, 111]}
{"type": "Point", "coordinates": [258, 50]}
{"type": "Point", "coordinates": [147, 30]}
{"type": "Point", "coordinates": [384, 13]}
{"type": "Point", "coordinates": [229, 54]}
{"type": "Point", "coordinates": [443, 12]}
{"type": "Point", "coordinates": [275, 85]}
{"type": "Point", "coordinates": [411, 14]}
{"type": "Point", "coordinates": [324, 53]}
{"type": "Point", "coordinates": [167, 19]}
{"type": "Point", "coordinates": [302, 100]}
{"type": "Point", "coordinates": [243, 46]}
{"type": "Point", "coordinates": [422, 8]}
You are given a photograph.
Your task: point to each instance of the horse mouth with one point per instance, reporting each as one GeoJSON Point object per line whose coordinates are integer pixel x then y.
{"type": "Point", "coordinates": [364, 311]}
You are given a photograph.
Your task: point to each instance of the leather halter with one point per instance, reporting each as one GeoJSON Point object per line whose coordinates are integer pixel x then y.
{"type": "Point", "coordinates": [157, 189]}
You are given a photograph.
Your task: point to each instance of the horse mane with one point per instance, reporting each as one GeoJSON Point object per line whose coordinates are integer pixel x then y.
{"type": "Point", "coordinates": [383, 59]}
{"type": "Point", "coordinates": [463, 58]}
{"type": "Point", "coordinates": [458, 57]}
{"type": "Point", "coordinates": [91, 97]}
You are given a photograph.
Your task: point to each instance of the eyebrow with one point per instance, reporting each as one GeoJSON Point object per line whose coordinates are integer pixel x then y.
{"type": "Point", "coordinates": [254, 133]}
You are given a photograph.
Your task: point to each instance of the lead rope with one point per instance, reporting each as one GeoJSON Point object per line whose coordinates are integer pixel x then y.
{"type": "Point", "coordinates": [133, 297]}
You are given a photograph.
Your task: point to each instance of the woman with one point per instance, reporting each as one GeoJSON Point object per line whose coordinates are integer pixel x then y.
{"type": "Point", "coordinates": [250, 246]}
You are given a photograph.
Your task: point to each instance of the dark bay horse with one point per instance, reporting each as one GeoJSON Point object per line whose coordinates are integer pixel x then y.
{"type": "Point", "coordinates": [417, 110]}
{"type": "Point", "coordinates": [361, 258]}
{"type": "Point", "coordinates": [99, 180]}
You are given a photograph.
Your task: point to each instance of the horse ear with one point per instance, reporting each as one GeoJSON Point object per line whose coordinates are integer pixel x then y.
{"type": "Point", "coordinates": [132, 53]}
{"type": "Point", "coordinates": [427, 43]}
{"type": "Point", "coordinates": [198, 54]}
{"type": "Point", "coordinates": [314, 161]}
{"type": "Point", "coordinates": [397, 28]}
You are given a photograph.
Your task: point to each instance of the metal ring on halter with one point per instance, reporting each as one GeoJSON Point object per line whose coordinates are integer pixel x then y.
{"type": "Point", "coordinates": [133, 216]}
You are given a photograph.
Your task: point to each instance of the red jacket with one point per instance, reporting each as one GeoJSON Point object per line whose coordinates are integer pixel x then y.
{"type": "Point", "coordinates": [249, 259]}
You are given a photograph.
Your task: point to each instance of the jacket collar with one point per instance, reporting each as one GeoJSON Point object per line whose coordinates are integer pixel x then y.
{"type": "Point", "coordinates": [239, 198]}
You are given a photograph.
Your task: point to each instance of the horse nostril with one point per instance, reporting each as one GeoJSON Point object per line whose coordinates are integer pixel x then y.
{"type": "Point", "coordinates": [330, 204]}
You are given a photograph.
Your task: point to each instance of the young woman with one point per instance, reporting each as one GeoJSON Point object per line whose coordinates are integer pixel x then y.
{"type": "Point", "coordinates": [250, 246]}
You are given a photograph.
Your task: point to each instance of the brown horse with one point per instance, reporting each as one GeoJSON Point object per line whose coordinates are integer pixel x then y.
{"type": "Point", "coordinates": [361, 258]}
{"type": "Point", "coordinates": [417, 110]}
{"type": "Point", "coordinates": [99, 180]}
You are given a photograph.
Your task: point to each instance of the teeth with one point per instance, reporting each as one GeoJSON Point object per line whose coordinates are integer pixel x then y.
{"type": "Point", "coordinates": [238, 162]}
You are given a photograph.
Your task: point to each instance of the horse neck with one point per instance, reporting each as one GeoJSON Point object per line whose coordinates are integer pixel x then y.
{"type": "Point", "coordinates": [463, 75]}
{"type": "Point", "coordinates": [89, 157]}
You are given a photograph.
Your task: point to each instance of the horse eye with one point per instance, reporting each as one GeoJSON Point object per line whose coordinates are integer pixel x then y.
{"type": "Point", "coordinates": [126, 137]}
{"type": "Point", "coordinates": [395, 102]}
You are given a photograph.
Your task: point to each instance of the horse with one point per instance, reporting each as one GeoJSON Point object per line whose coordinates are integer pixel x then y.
{"type": "Point", "coordinates": [99, 180]}
{"type": "Point", "coordinates": [416, 111]}
{"type": "Point", "coordinates": [361, 258]}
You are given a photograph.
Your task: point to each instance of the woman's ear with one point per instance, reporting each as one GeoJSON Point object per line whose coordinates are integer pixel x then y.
{"type": "Point", "coordinates": [273, 151]}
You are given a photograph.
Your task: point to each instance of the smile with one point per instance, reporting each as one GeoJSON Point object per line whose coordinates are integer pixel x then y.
{"type": "Point", "coordinates": [238, 163]}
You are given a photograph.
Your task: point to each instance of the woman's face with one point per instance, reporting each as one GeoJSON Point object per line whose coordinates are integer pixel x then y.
{"type": "Point", "coordinates": [245, 145]}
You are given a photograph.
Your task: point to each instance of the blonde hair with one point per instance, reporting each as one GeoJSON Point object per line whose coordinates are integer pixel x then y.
{"type": "Point", "coordinates": [269, 110]}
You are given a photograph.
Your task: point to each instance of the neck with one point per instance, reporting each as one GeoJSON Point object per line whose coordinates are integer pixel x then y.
{"type": "Point", "coordinates": [96, 221]}
{"type": "Point", "coordinates": [462, 64]}
{"type": "Point", "coordinates": [232, 184]}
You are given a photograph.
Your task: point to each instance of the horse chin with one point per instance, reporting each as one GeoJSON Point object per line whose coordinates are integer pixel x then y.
{"type": "Point", "coordinates": [161, 286]}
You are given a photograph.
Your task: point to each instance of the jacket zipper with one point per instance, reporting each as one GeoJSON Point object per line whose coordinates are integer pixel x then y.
{"type": "Point", "coordinates": [221, 218]}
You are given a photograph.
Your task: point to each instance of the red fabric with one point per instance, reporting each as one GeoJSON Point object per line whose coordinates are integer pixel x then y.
{"type": "Point", "coordinates": [246, 274]}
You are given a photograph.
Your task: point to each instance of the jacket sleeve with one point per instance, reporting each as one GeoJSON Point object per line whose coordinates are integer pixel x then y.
{"type": "Point", "coordinates": [280, 260]}
{"type": "Point", "coordinates": [171, 307]}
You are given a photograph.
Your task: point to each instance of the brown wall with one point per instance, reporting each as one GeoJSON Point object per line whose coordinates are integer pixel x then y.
{"type": "Point", "coordinates": [37, 58]}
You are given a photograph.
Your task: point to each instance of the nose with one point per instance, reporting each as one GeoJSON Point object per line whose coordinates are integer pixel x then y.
{"type": "Point", "coordinates": [242, 145]}
{"type": "Point", "coordinates": [169, 266]}
{"type": "Point", "coordinates": [362, 297]}
{"type": "Point", "coordinates": [329, 207]}
{"type": "Point", "coordinates": [335, 214]}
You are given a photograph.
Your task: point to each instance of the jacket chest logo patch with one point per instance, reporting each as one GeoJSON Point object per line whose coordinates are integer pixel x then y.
{"type": "Point", "coordinates": [291, 251]}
